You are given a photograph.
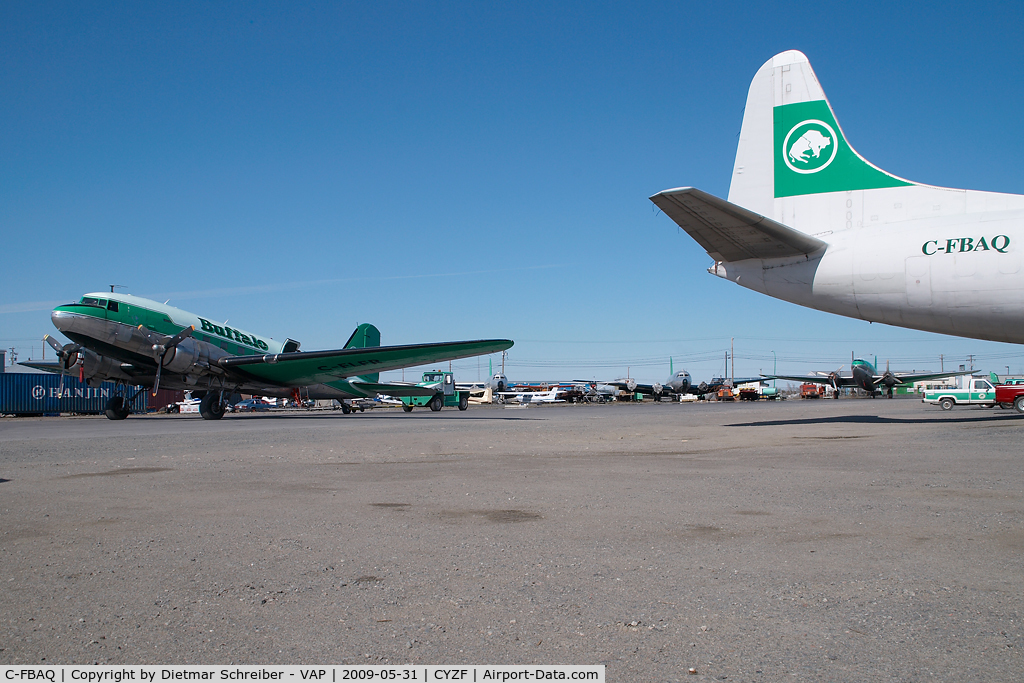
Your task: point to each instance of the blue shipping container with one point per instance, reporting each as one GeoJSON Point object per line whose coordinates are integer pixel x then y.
{"type": "Point", "coordinates": [31, 394]}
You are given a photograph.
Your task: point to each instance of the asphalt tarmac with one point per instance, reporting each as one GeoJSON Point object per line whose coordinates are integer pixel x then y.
{"type": "Point", "coordinates": [825, 540]}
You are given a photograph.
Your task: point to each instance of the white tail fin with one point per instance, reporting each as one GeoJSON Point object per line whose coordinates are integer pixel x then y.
{"type": "Point", "coordinates": [791, 145]}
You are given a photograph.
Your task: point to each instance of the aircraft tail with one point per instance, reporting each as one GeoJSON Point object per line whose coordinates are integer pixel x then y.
{"type": "Point", "coordinates": [365, 336]}
{"type": "Point", "coordinates": [791, 147]}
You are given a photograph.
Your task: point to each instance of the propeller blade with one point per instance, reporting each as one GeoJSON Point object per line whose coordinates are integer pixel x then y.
{"type": "Point", "coordinates": [180, 337]}
{"type": "Point", "coordinates": [57, 346]}
{"type": "Point", "coordinates": [156, 382]}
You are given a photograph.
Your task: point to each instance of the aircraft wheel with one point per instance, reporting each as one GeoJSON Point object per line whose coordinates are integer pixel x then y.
{"type": "Point", "coordinates": [212, 406]}
{"type": "Point", "coordinates": [1018, 404]}
{"type": "Point", "coordinates": [117, 408]}
{"type": "Point", "coordinates": [436, 403]}
{"type": "Point", "coordinates": [463, 401]}
{"type": "Point", "coordinates": [947, 404]}
{"type": "Point", "coordinates": [406, 408]}
{"type": "Point", "coordinates": [345, 409]}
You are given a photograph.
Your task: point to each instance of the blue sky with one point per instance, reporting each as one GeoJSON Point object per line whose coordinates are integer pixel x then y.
{"type": "Point", "coordinates": [465, 170]}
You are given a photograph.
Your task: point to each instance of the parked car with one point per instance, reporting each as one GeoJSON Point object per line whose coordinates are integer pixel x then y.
{"type": "Point", "coordinates": [251, 405]}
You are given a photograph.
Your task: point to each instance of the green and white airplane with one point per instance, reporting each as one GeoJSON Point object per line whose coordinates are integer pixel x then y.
{"type": "Point", "coordinates": [136, 341]}
{"type": "Point", "coordinates": [810, 221]}
{"type": "Point", "coordinates": [863, 375]}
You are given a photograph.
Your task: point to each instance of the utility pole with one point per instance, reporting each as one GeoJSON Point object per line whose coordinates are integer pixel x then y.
{"type": "Point", "coordinates": [732, 352]}
{"type": "Point", "coordinates": [942, 367]}
{"type": "Point", "coordinates": [970, 359]}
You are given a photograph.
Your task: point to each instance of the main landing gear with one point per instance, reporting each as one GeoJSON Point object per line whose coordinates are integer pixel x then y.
{"type": "Point", "coordinates": [212, 407]}
{"type": "Point", "coordinates": [119, 406]}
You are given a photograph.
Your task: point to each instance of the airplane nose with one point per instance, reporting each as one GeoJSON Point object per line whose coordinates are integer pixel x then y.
{"type": "Point", "coordinates": [63, 320]}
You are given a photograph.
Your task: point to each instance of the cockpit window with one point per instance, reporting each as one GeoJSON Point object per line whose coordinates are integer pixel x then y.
{"type": "Point", "coordinates": [90, 301]}
{"type": "Point", "coordinates": [112, 306]}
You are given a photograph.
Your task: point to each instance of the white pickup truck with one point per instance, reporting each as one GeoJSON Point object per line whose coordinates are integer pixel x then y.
{"type": "Point", "coordinates": [978, 392]}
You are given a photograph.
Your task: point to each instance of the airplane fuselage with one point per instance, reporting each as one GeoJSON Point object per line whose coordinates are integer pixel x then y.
{"type": "Point", "coordinates": [958, 274]}
{"type": "Point", "coordinates": [864, 376]}
{"type": "Point", "coordinates": [116, 332]}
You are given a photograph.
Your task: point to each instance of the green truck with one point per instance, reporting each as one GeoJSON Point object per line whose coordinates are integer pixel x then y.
{"type": "Point", "coordinates": [445, 393]}
{"type": "Point", "coordinates": [977, 392]}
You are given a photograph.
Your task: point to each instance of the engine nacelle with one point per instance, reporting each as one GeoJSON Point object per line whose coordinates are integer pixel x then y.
{"type": "Point", "coordinates": [185, 357]}
{"type": "Point", "coordinates": [97, 367]}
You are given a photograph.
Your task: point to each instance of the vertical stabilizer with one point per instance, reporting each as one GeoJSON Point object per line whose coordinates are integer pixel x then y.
{"type": "Point", "coordinates": [791, 144]}
{"type": "Point", "coordinates": [365, 336]}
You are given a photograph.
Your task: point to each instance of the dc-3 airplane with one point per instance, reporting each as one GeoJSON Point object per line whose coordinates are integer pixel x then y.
{"type": "Point", "coordinates": [864, 376]}
{"type": "Point", "coordinates": [135, 341]}
{"type": "Point", "coordinates": [810, 221]}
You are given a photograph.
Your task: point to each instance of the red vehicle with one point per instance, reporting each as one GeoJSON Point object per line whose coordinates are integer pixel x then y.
{"type": "Point", "coordinates": [1011, 394]}
{"type": "Point", "coordinates": [810, 391]}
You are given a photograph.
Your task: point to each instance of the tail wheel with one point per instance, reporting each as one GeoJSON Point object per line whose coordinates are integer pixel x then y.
{"type": "Point", "coordinates": [117, 408]}
{"type": "Point", "coordinates": [463, 401]}
{"type": "Point", "coordinates": [407, 408]}
{"type": "Point", "coordinates": [947, 404]}
{"type": "Point", "coordinates": [436, 403]}
{"type": "Point", "coordinates": [212, 406]}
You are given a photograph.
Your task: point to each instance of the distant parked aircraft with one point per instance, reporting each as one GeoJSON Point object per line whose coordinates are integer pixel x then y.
{"type": "Point", "coordinates": [864, 376]}
{"type": "Point", "coordinates": [550, 396]}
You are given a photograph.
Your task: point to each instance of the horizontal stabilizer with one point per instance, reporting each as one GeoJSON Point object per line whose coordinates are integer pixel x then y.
{"type": "Point", "coordinates": [729, 232]}
{"type": "Point", "coordinates": [393, 388]}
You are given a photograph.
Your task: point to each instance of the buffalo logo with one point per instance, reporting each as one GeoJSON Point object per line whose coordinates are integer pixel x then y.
{"type": "Point", "coordinates": [810, 146]}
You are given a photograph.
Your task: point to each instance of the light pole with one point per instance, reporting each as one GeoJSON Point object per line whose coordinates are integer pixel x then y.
{"type": "Point", "coordinates": [775, 370]}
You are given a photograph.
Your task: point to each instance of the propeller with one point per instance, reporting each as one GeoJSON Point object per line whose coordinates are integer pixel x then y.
{"type": "Point", "coordinates": [888, 378]}
{"type": "Point", "coordinates": [69, 356]}
{"type": "Point", "coordinates": [160, 351]}
{"type": "Point", "coordinates": [631, 385]}
{"type": "Point", "coordinates": [834, 378]}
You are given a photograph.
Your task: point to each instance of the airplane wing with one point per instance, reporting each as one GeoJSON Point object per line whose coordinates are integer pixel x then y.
{"type": "Point", "coordinates": [910, 378]}
{"type": "Point", "coordinates": [729, 232]}
{"type": "Point", "coordinates": [313, 367]}
{"type": "Point", "coordinates": [45, 365]}
{"type": "Point", "coordinates": [815, 379]}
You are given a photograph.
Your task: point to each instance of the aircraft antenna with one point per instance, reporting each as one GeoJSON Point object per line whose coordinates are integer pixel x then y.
{"type": "Point", "coordinates": [112, 287]}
